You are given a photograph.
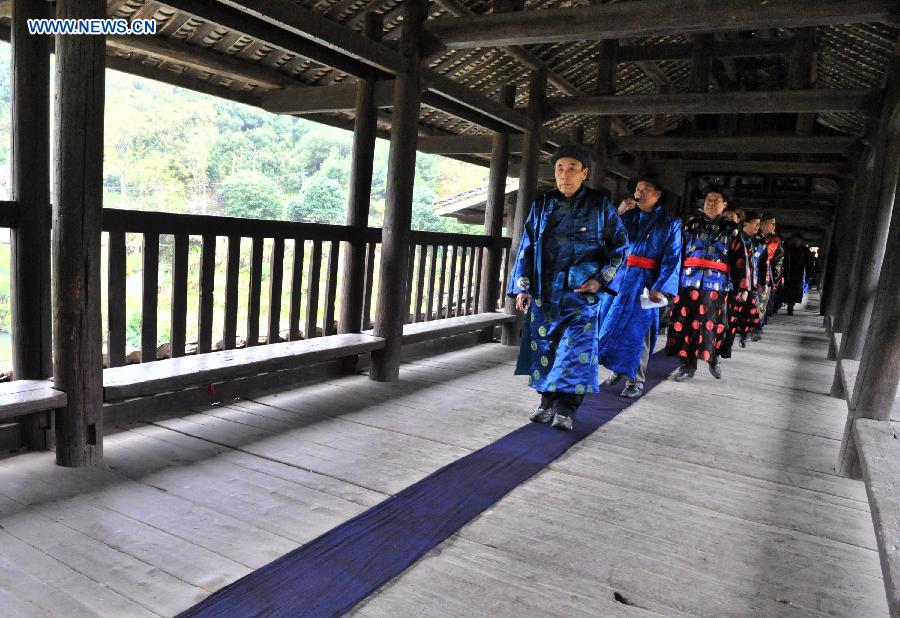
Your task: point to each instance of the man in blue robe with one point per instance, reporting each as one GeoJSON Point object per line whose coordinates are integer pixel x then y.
{"type": "Point", "coordinates": [627, 331]}
{"type": "Point", "coordinates": [572, 245]}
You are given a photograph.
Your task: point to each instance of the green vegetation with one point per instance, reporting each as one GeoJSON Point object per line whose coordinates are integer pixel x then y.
{"type": "Point", "coordinates": [173, 150]}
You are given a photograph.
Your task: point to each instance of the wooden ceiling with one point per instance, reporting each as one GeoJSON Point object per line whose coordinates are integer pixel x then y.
{"type": "Point", "coordinates": [278, 53]}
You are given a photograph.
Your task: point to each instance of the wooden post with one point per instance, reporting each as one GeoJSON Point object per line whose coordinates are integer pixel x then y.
{"type": "Point", "coordinates": [829, 280]}
{"type": "Point", "coordinates": [878, 208]}
{"type": "Point", "coordinates": [845, 249]}
{"type": "Point", "coordinates": [800, 73]}
{"type": "Point", "coordinates": [30, 240]}
{"type": "Point", "coordinates": [354, 261]}
{"type": "Point", "coordinates": [77, 212]}
{"type": "Point", "coordinates": [606, 84]}
{"type": "Point", "coordinates": [528, 179]}
{"type": "Point", "coordinates": [701, 66]}
{"type": "Point", "coordinates": [493, 215]}
{"type": "Point", "coordinates": [853, 254]}
{"type": "Point", "coordinates": [390, 312]}
{"type": "Point", "coordinates": [876, 382]}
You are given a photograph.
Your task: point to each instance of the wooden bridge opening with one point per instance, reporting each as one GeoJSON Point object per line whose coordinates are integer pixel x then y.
{"type": "Point", "coordinates": [793, 106]}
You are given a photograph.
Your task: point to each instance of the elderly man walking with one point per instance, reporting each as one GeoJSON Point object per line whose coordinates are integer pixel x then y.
{"type": "Point", "coordinates": [715, 262]}
{"type": "Point", "coordinates": [572, 245]}
{"type": "Point", "coordinates": [743, 316]}
{"type": "Point", "coordinates": [627, 330]}
{"type": "Point", "coordinates": [770, 267]}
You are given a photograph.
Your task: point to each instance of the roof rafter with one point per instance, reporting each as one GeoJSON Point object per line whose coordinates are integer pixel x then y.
{"type": "Point", "coordinates": [629, 19]}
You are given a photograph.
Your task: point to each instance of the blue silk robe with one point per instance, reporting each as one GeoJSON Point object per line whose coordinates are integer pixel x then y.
{"type": "Point", "coordinates": [565, 242]}
{"type": "Point", "coordinates": [623, 323]}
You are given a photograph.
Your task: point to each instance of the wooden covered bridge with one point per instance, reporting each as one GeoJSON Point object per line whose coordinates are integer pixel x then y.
{"type": "Point", "coordinates": [771, 492]}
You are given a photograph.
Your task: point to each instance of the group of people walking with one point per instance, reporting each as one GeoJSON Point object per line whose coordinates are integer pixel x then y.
{"type": "Point", "coordinates": [593, 280]}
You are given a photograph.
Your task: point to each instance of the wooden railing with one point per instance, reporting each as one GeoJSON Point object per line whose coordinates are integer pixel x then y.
{"type": "Point", "coordinates": [444, 273]}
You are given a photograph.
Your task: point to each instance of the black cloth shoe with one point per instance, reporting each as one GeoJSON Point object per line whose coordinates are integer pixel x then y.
{"type": "Point", "coordinates": [633, 391]}
{"type": "Point", "coordinates": [565, 423]}
{"type": "Point", "coordinates": [612, 379]}
{"type": "Point", "coordinates": [715, 369]}
{"type": "Point", "coordinates": [685, 372]}
{"type": "Point", "coordinates": [755, 337]}
{"type": "Point", "coordinates": [743, 340]}
{"type": "Point", "coordinates": [541, 415]}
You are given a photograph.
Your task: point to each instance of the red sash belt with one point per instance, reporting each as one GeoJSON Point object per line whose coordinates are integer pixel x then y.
{"type": "Point", "coordinates": [642, 262]}
{"type": "Point", "coordinates": [701, 263]}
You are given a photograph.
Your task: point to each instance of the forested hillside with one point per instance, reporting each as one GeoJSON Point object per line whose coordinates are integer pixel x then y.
{"type": "Point", "coordinates": [173, 150]}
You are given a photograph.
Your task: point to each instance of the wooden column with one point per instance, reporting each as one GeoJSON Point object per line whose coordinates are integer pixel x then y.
{"type": "Point", "coordinates": [30, 240]}
{"type": "Point", "coordinates": [800, 73]}
{"type": "Point", "coordinates": [354, 260]}
{"type": "Point", "coordinates": [493, 215]}
{"type": "Point", "coordinates": [851, 256]}
{"type": "Point", "coordinates": [830, 282]}
{"type": "Point", "coordinates": [606, 84]}
{"type": "Point", "coordinates": [390, 311]}
{"type": "Point", "coordinates": [844, 248]}
{"type": "Point", "coordinates": [879, 370]}
{"type": "Point", "coordinates": [528, 179]}
{"type": "Point", "coordinates": [77, 212]}
{"type": "Point", "coordinates": [701, 66]}
{"type": "Point", "coordinates": [701, 62]}
{"type": "Point", "coordinates": [878, 208]}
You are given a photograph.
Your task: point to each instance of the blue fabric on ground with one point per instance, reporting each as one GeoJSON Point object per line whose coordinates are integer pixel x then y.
{"type": "Point", "coordinates": [332, 573]}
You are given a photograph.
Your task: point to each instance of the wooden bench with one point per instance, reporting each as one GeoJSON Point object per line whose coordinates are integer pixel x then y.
{"type": "Point", "coordinates": [21, 397]}
{"type": "Point", "coordinates": [446, 327]}
{"type": "Point", "coordinates": [878, 446]}
{"type": "Point", "coordinates": [200, 369]}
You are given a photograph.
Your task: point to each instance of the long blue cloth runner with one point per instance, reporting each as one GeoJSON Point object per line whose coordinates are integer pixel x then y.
{"type": "Point", "coordinates": [334, 572]}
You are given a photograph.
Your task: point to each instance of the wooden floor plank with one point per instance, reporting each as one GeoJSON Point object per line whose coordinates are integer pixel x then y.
{"type": "Point", "coordinates": [712, 497]}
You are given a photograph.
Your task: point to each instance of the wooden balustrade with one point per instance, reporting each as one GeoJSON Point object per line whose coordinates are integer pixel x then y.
{"type": "Point", "coordinates": [297, 265]}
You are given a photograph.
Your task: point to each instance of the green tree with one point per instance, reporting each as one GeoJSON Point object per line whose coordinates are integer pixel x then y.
{"type": "Point", "coordinates": [323, 201]}
{"type": "Point", "coordinates": [423, 217]}
{"type": "Point", "coordinates": [251, 195]}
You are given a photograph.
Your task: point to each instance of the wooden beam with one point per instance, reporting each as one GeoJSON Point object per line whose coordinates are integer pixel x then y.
{"type": "Point", "coordinates": [30, 239]}
{"type": "Point", "coordinates": [742, 144]}
{"type": "Point", "coordinates": [77, 215]}
{"type": "Point", "coordinates": [318, 99]}
{"type": "Point", "coordinates": [202, 59]}
{"type": "Point", "coordinates": [458, 9]}
{"type": "Point", "coordinates": [800, 73]}
{"type": "Point", "coordinates": [209, 87]}
{"type": "Point", "coordinates": [318, 38]}
{"type": "Point", "coordinates": [364, 134]}
{"type": "Point", "coordinates": [755, 102]}
{"type": "Point", "coordinates": [723, 166]}
{"type": "Point", "coordinates": [875, 390]}
{"type": "Point", "coordinates": [630, 19]}
{"type": "Point", "coordinates": [465, 144]}
{"type": "Point", "coordinates": [753, 48]}
{"type": "Point", "coordinates": [606, 86]}
{"type": "Point", "coordinates": [290, 27]}
{"type": "Point", "coordinates": [701, 63]}
{"type": "Point", "coordinates": [528, 180]}
{"type": "Point", "coordinates": [391, 312]}
{"type": "Point", "coordinates": [494, 209]}
{"type": "Point", "coordinates": [876, 213]}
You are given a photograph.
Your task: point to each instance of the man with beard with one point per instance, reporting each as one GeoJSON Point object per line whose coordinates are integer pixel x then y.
{"type": "Point", "coordinates": [572, 245]}
{"type": "Point", "coordinates": [628, 331]}
{"type": "Point", "coordinates": [771, 264]}
{"type": "Point", "coordinates": [715, 262]}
